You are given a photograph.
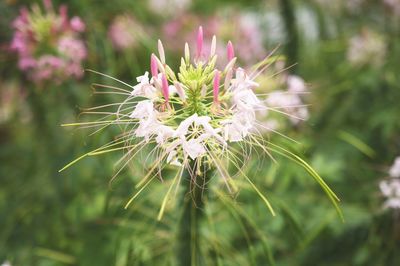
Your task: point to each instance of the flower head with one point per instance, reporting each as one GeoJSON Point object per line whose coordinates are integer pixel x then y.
{"type": "Point", "coordinates": [194, 123]}
{"type": "Point", "coordinates": [49, 44]}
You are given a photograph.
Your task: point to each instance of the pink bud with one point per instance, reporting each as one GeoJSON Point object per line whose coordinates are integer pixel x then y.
{"type": "Point", "coordinates": [153, 65]}
{"type": "Point", "coordinates": [165, 89]}
{"type": "Point", "coordinates": [216, 85]}
{"type": "Point", "coordinates": [229, 51]}
{"type": "Point", "coordinates": [199, 42]}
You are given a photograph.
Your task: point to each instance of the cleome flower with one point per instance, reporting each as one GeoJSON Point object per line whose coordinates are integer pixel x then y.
{"type": "Point", "coordinates": [48, 44]}
{"type": "Point", "coordinates": [197, 119]}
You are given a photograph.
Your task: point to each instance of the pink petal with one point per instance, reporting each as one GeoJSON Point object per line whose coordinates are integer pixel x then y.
{"type": "Point", "coordinates": [153, 66]}
{"type": "Point", "coordinates": [230, 51]}
{"type": "Point", "coordinates": [199, 42]}
{"type": "Point", "coordinates": [165, 88]}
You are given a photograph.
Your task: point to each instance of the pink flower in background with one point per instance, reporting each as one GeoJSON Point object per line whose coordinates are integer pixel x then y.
{"type": "Point", "coordinates": [77, 24]}
{"type": "Point", "coordinates": [125, 32]}
{"type": "Point", "coordinates": [48, 44]}
{"type": "Point", "coordinates": [72, 48]}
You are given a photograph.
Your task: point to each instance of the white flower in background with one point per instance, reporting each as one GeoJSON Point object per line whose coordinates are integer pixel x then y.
{"type": "Point", "coordinates": [395, 169]}
{"type": "Point", "coordinates": [367, 48]}
{"type": "Point", "coordinates": [391, 190]}
{"type": "Point", "coordinates": [296, 84]}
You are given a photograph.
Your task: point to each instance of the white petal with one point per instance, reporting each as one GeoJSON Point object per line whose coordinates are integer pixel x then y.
{"type": "Point", "coordinates": [193, 148]}
{"type": "Point", "coordinates": [143, 79]}
{"type": "Point", "coordinates": [183, 127]}
{"type": "Point", "coordinates": [163, 133]}
{"type": "Point", "coordinates": [143, 109]}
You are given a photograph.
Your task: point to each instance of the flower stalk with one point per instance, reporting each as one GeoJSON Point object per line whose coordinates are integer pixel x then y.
{"type": "Point", "coordinates": [192, 204]}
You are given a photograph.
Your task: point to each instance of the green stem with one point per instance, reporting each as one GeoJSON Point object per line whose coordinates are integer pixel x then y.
{"type": "Point", "coordinates": [289, 18]}
{"type": "Point", "coordinates": [189, 235]}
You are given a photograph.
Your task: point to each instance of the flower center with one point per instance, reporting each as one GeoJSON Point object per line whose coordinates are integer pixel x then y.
{"type": "Point", "coordinates": [198, 81]}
